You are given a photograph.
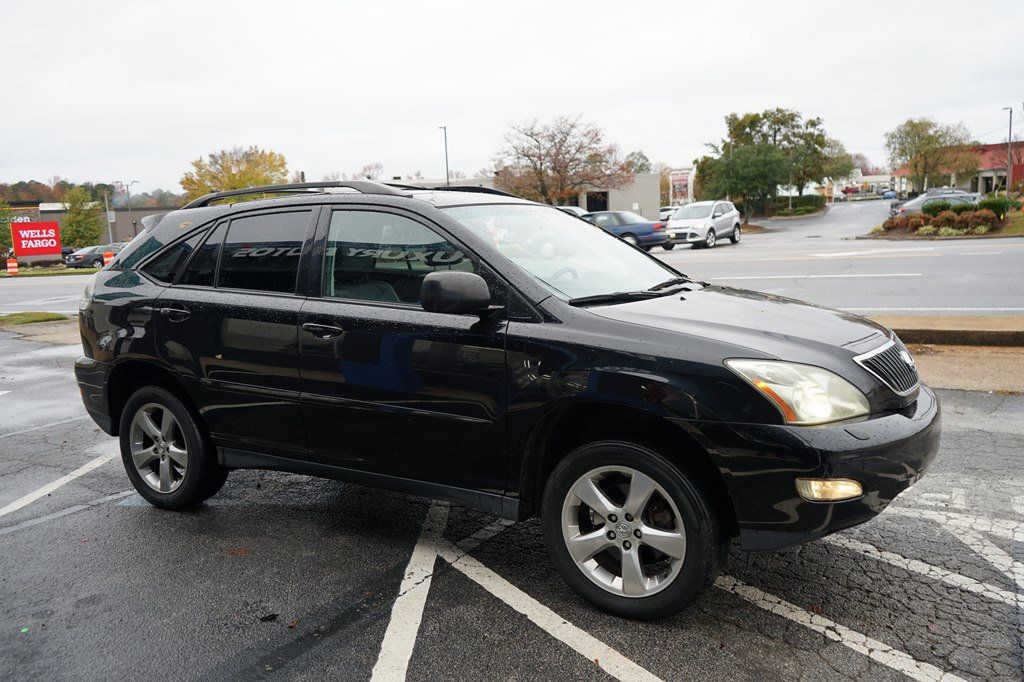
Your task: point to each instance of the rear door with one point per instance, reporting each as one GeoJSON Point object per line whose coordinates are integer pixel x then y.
{"type": "Point", "coordinates": [228, 326]}
{"type": "Point", "coordinates": [388, 387]}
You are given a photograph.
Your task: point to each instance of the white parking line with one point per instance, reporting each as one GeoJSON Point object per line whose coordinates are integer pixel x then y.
{"type": "Point", "coordinates": [871, 252]}
{"type": "Point", "coordinates": [872, 648]}
{"type": "Point", "coordinates": [883, 274]}
{"type": "Point", "coordinates": [588, 646]}
{"type": "Point", "coordinates": [4, 392]}
{"type": "Point", "coordinates": [407, 611]}
{"type": "Point", "coordinates": [996, 556]}
{"type": "Point", "coordinates": [1001, 528]}
{"type": "Point", "coordinates": [941, 310]}
{"type": "Point", "coordinates": [63, 480]}
{"type": "Point", "coordinates": [44, 426]}
{"type": "Point", "coordinates": [928, 570]}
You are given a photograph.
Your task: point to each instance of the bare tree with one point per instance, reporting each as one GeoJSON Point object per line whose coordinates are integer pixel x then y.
{"type": "Point", "coordinates": [554, 161]}
{"type": "Point", "coordinates": [457, 175]}
{"type": "Point", "coordinates": [370, 171]}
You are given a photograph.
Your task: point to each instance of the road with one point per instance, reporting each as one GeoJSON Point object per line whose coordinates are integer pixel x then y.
{"type": "Point", "coordinates": [311, 579]}
{"type": "Point", "coordinates": [814, 259]}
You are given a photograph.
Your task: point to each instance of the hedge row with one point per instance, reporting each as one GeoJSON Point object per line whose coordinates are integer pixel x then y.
{"type": "Point", "coordinates": [963, 220]}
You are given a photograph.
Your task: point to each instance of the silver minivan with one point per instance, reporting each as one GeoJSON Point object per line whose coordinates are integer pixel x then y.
{"type": "Point", "coordinates": [702, 223]}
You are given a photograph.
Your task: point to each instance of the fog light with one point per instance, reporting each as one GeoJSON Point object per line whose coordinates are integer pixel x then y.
{"type": "Point", "coordinates": [828, 489]}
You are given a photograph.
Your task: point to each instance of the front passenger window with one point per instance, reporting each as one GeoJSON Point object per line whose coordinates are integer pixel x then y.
{"type": "Point", "coordinates": [375, 256]}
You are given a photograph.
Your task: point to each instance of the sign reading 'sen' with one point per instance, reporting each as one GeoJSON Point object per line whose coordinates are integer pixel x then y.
{"type": "Point", "coordinates": [35, 239]}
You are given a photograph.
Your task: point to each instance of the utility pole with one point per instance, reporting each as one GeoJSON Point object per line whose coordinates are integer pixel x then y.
{"type": "Point", "coordinates": [1009, 154]}
{"type": "Point", "coordinates": [447, 175]}
{"type": "Point", "coordinates": [128, 189]}
{"type": "Point", "coordinates": [110, 223]}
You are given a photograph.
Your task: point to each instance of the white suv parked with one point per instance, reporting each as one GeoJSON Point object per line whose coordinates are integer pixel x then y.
{"type": "Point", "coordinates": [702, 223]}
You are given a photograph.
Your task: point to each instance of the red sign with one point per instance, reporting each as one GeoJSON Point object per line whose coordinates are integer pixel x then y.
{"type": "Point", "coordinates": [35, 239]}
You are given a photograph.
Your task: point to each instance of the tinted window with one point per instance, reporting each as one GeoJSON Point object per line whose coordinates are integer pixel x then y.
{"type": "Point", "coordinates": [165, 266]}
{"type": "Point", "coordinates": [200, 270]}
{"type": "Point", "coordinates": [262, 252]}
{"type": "Point", "coordinates": [604, 219]}
{"type": "Point", "coordinates": [374, 256]}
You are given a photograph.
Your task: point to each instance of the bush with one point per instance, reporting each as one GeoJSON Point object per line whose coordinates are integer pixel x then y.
{"type": "Point", "coordinates": [935, 207]}
{"type": "Point", "coordinates": [878, 229]}
{"type": "Point", "coordinates": [961, 208]}
{"type": "Point", "coordinates": [980, 229]}
{"type": "Point", "coordinates": [927, 230]}
{"type": "Point", "coordinates": [950, 232]}
{"type": "Point", "coordinates": [898, 222]}
{"type": "Point", "coordinates": [944, 219]}
{"type": "Point", "coordinates": [963, 219]}
{"type": "Point", "coordinates": [984, 216]}
{"type": "Point", "coordinates": [915, 223]}
{"type": "Point", "coordinates": [999, 206]}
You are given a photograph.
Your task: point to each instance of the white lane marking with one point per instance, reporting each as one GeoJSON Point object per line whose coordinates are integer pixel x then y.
{"type": "Point", "coordinates": [607, 658]}
{"type": "Point", "coordinates": [885, 274]}
{"type": "Point", "coordinates": [407, 611]}
{"type": "Point", "coordinates": [4, 392]}
{"type": "Point", "coordinates": [44, 426]}
{"type": "Point", "coordinates": [871, 252]}
{"type": "Point", "coordinates": [63, 480]}
{"type": "Point", "coordinates": [982, 253]}
{"type": "Point", "coordinates": [1018, 504]}
{"type": "Point", "coordinates": [928, 570]}
{"type": "Point", "coordinates": [923, 310]}
{"type": "Point", "coordinates": [872, 648]}
{"type": "Point", "coordinates": [996, 556]}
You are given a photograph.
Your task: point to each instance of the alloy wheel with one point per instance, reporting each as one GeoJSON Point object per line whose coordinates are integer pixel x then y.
{"type": "Point", "coordinates": [709, 241]}
{"type": "Point", "coordinates": [158, 448]}
{"type": "Point", "coordinates": [630, 239]}
{"type": "Point", "coordinates": [623, 531]}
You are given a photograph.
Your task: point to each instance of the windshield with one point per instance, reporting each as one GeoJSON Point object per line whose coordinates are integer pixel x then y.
{"type": "Point", "coordinates": [692, 212]}
{"type": "Point", "coordinates": [568, 256]}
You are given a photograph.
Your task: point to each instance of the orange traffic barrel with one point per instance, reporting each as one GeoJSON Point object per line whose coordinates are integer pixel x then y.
{"type": "Point", "coordinates": [107, 257]}
{"type": "Point", "coordinates": [12, 267]}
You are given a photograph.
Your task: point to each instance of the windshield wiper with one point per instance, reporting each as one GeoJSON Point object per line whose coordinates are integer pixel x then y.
{"type": "Point", "coordinates": [671, 283]}
{"type": "Point", "coordinates": [614, 297]}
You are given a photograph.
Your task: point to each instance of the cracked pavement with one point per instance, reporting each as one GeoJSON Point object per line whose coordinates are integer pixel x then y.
{"type": "Point", "coordinates": [282, 574]}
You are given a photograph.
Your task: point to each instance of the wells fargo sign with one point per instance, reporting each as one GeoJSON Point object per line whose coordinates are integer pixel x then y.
{"type": "Point", "coordinates": [35, 239]}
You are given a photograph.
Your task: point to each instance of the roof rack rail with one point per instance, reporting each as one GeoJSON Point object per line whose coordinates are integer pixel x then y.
{"type": "Point", "coordinates": [456, 188]}
{"type": "Point", "coordinates": [362, 186]}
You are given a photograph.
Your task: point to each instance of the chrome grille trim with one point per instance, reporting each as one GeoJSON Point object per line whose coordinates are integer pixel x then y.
{"type": "Point", "coordinates": [885, 364]}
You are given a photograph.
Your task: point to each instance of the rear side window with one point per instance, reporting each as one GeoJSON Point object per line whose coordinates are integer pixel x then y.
{"type": "Point", "coordinates": [375, 256]}
{"type": "Point", "coordinates": [261, 253]}
{"type": "Point", "coordinates": [164, 267]}
{"type": "Point", "coordinates": [200, 270]}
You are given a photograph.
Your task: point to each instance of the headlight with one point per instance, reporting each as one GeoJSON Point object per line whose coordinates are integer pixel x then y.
{"type": "Point", "coordinates": [804, 394]}
{"type": "Point", "coordinates": [83, 302]}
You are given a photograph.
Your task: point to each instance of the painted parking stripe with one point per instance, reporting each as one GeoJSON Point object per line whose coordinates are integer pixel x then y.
{"type": "Point", "coordinates": [940, 310]}
{"type": "Point", "coordinates": [407, 611]}
{"type": "Point", "coordinates": [588, 646]}
{"type": "Point", "coordinates": [872, 648]}
{"type": "Point", "coordinates": [4, 392]}
{"type": "Point", "coordinates": [884, 274]}
{"type": "Point", "coordinates": [928, 570]}
{"type": "Point", "coordinates": [7, 530]}
{"type": "Point", "coordinates": [63, 480]}
{"type": "Point", "coordinates": [43, 426]}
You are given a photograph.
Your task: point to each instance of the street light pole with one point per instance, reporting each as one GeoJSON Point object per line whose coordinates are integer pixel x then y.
{"type": "Point", "coordinates": [447, 175]}
{"type": "Point", "coordinates": [1009, 154]}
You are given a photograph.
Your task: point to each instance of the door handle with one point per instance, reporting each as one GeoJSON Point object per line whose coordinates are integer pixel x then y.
{"type": "Point", "coordinates": [322, 331]}
{"type": "Point", "coordinates": [175, 314]}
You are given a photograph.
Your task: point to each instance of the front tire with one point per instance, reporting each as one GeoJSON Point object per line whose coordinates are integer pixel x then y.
{"type": "Point", "coordinates": [710, 240]}
{"type": "Point", "coordinates": [98, 263]}
{"type": "Point", "coordinates": [630, 239]}
{"type": "Point", "coordinates": [736, 235]}
{"type": "Point", "coordinates": [629, 532]}
{"type": "Point", "coordinates": [166, 452]}
{"type": "Point", "coordinates": [668, 247]}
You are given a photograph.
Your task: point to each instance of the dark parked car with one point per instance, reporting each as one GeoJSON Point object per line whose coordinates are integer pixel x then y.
{"type": "Point", "coordinates": [631, 228]}
{"type": "Point", "coordinates": [92, 256]}
{"type": "Point", "coordinates": [483, 348]}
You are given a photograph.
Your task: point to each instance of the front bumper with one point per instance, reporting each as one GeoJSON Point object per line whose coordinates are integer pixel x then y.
{"type": "Point", "coordinates": [653, 239]}
{"type": "Point", "coordinates": [760, 464]}
{"type": "Point", "coordinates": [687, 236]}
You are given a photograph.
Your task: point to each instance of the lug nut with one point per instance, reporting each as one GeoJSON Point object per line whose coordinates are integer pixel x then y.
{"type": "Point", "coordinates": [626, 544]}
{"type": "Point", "coordinates": [611, 535]}
{"type": "Point", "coordinates": [629, 517]}
{"type": "Point", "coordinates": [636, 533]}
{"type": "Point", "coordinates": [613, 518]}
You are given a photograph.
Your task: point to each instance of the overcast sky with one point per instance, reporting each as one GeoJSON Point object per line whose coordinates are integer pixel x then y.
{"type": "Point", "coordinates": [136, 90]}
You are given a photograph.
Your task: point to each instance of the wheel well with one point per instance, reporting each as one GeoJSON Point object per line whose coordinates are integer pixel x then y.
{"type": "Point", "coordinates": [128, 377]}
{"type": "Point", "coordinates": [570, 427]}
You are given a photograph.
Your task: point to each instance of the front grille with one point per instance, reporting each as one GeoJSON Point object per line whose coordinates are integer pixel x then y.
{"type": "Point", "coordinates": [890, 364]}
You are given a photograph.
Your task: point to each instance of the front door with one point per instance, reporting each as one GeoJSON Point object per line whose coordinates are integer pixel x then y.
{"type": "Point", "coordinates": [386, 386]}
{"type": "Point", "coordinates": [228, 327]}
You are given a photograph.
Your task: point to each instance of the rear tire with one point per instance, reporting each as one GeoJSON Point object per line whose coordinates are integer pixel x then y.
{"type": "Point", "coordinates": [668, 247]}
{"type": "Point", "coordinates": [736, 235]}
{"type": "Point", "coordinates": [98, 263]}
{"type": "Point", "coordinates": [168, 456]}
{"type": "Point", "coordinates": [614, 564]}
{"type": "Point", "coordinates": [630, 239]}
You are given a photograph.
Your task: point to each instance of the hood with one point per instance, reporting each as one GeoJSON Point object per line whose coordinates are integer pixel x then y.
{"type": "Point", "coordinates": [782, 327]}
{"type": "Point", "coordinates": [688, 222]}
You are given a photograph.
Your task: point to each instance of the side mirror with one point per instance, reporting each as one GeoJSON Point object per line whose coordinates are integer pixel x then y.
{"type": "Point", "coordinates": [448, 291]}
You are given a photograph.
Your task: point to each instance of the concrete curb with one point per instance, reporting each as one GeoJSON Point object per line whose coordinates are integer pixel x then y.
{"type": "Point", "coordinates": [957, 331]}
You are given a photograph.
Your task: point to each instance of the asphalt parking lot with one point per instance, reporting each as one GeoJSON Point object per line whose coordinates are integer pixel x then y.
{"type": "Point", "coordinates": [287, 575]}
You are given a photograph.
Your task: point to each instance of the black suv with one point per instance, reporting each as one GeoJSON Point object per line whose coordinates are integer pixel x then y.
{"type": "Point", "coordinates": [472, 345]}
